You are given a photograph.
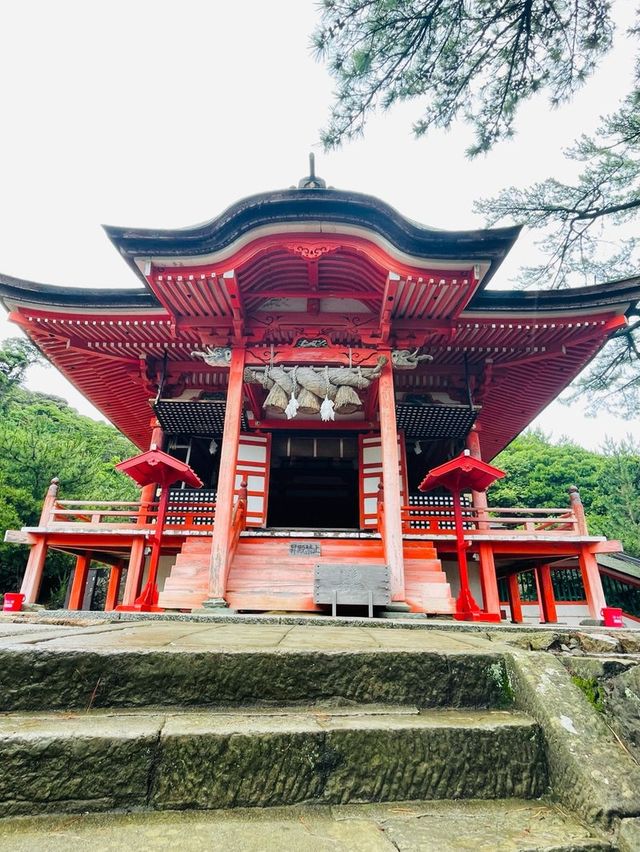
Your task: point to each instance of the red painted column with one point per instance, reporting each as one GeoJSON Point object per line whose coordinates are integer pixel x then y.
{"type": "Point", "coordinates": [391, 481]}
{"type": "Point", "coordinates": [588, 564]}
{"type": "Point", "coordinates": [546, 597]}
{"type": "Point", "coordinates": [135, 570]}
{"type": "Point", "coordinates": [37, 556]}
{"type": "Point", "coordinates": [489, 582]}
{"type": "Point", "coordinates": [35, 568]}
{"type": "Point", "coordinates": [221, 543]}
{"type": "Point", "coordinates": [79, 580]}
{"type": "Point", "coordinates": [113, 588]}
{"type": "Point", "coordinates": [479, 498]}
{"type": "Point", "coordinates": [515, 604]}
{"type": "Point", "coordinates": [488, 578]}
{"type": "Point", "coordinates": [592, 583]}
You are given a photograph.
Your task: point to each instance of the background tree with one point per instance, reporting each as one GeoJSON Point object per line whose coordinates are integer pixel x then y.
{"type": "Point", "coordinates": [540, 471]}
{"type": "Point", "coordinates": [17, 354]}
{"type": "Point", "coordinates": [41, 437]}
{"type": "Point", "coordinates": [477, 61]}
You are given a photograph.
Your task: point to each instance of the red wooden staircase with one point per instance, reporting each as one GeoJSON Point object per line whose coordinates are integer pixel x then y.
{"type": "Point", "coordinates": [265, 575]}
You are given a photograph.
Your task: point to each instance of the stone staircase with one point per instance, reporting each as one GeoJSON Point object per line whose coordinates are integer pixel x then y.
{"type": "Point", "coordinates": [265, 576]}
{"type": "Point", "coordinates": [349, 736]}
{"type": "Point", "coordinates": [207, 723]}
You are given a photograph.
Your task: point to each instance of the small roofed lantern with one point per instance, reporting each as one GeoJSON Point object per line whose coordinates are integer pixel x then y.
{"type": "Point", "coordinates": [463, 473]}
{"type": "Point", "coordinates": [156, 468]}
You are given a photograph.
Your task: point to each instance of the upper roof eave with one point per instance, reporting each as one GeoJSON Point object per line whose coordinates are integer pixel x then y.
{"type": "Point", "coordinates": [16, 291]}
{"type": "Point", "coordinates": [621, 292]}
{"type": "Point", "coordinates": [303, 205]}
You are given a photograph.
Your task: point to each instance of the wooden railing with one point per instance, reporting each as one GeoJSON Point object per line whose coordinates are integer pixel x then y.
{"type": "Point", "coordinates": [238, 519]}
{"type": "Point", "coordinates": [123, 514]}
{"type": "Point", "coordinates": [438, 520]}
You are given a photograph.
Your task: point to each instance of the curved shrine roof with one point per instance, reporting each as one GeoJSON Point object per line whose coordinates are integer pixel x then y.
{"type": "Point", "coordinates": [301, 207]}
{"type": "Point", "coordinates": [521, 348]}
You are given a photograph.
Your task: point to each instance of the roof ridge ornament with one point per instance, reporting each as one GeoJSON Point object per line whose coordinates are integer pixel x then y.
{"type": "Point", "coordinates": [311, 181]}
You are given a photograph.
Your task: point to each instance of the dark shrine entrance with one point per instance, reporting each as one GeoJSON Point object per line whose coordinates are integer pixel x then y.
{"type": "Point", "coordinates": [314, 481]}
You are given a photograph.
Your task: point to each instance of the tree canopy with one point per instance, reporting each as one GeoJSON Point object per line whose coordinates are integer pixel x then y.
{"type": "Point", "coordinates": [478, 61]}
{"type": "Point", "coordinates": [41, 436]}
{"type": "Point", "coordinates": [471, 59]}
{"type": "Point", "coordinates": [539, 473]}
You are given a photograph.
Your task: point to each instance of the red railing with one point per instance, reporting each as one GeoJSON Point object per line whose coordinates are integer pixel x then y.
{"type": "Point", "coordinates": [494, 522]}
{"type": "Point", "coordinates": [238, 520]}
{"type": "Point", "coordinates": [123, 514]}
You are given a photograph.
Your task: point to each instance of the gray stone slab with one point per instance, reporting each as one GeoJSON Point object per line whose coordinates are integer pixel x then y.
{"type": "Point", "coordinates": [501, 826]}
{"type": "Point", "coordinates": [36, 679]}
{"type": "Point", "coordinates": [75, 762]}
{"type": "Point", "coordinates": [248, 760]}
{"type": "Point", "coordinates": [590, 771]}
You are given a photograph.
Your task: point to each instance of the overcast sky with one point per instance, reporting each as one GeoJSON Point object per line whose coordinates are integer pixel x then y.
{"type": "Point", "coordinates": [161, 114]}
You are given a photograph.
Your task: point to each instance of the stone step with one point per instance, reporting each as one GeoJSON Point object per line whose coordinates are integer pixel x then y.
{"type": "Point", "coordinates": [509, 825]}
{"type": "Point", "coordinates": [258, 758]}
{"type": "Point", "coordinates": [224, 664]}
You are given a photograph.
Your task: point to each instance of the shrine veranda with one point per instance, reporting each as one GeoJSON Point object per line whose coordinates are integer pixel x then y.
{"type": "Point", "coordinates": [310, 355]}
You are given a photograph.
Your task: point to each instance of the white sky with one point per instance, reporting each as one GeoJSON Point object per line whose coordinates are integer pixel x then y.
{"type": "Point", "coordinates": [159, 114]}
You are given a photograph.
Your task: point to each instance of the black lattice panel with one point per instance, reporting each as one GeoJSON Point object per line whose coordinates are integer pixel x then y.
{"type": "Point", "coordinates": [182, 500]}
{"type": "Point", "coordinates": [199, 417]}
{"type": "Point", "coordinates": [443, 503]}
{"type": "Point", "coordinates": [435, 421]}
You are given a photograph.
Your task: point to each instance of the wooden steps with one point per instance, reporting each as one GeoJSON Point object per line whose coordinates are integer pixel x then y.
{"type": "Point", "coordinates": [266, 575]}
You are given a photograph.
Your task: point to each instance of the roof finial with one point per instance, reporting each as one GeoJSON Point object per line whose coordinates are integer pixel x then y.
{"type": "Point", "coordinates": [311, 181]}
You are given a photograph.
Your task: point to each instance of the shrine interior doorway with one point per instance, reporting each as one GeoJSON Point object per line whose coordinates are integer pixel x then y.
{"type": "Point", "coordinates": [314, 481]}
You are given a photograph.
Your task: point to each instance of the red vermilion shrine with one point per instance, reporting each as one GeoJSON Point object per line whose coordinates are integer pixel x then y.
{"type": "Point", "coordinates": [294, 354]}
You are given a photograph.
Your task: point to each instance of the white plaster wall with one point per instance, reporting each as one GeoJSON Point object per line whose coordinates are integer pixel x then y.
{"type": "Point", "coordinates": [450, 568]}
{"type": "Point", "coordinates": [164, 568]}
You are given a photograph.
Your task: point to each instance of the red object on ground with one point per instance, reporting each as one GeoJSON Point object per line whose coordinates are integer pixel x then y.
{"type": "Point", "coordinates": [157, 468]}
{"type": "Point", "coordinates": [12, 602]}
{"type": "Point", "coordinates": [612, 616]}
{"type": "Point", "coordinates": [463, 473]}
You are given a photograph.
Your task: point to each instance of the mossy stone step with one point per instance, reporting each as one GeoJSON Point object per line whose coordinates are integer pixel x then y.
{"type": "Point", "coordinates": [498, 826]}
{"type": "Point", "coordinates": [215, 759]}
{"type": "Point", "coordinates": [56, 678]}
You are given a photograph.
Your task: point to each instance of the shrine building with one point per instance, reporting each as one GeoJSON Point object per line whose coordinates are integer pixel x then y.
{"type": "Point", "coordinates": [306, 359]}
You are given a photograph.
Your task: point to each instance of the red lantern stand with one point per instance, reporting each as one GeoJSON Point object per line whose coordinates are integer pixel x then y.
{"type": "Point", "coordinates": [156, 468]}
{"type": "Point", "coordinates": [463, 473]}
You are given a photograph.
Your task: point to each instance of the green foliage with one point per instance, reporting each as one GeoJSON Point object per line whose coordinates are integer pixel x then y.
{"type": "Point", "coordinates": [16, 355]}
{"type": "Point", "coordinates": [476, 60]}
{"type": "Point", "coordinates": [539, 473]}
{"type": "Point", "coordinates": [41, 437]}
{"type": "Point", "coordinates": [592, 690]}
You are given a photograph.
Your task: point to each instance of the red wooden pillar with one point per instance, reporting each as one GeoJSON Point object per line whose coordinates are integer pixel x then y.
{"type": "Point", "coordinates": [392, 521]}
{"type": "Point", "coordinates": [592, 583]}
{"type": "Point", "coordinates": [35, 564]}
{"type": "Point", "coordinates": [221, 542]}
{"type": "Point", "coordinates": [135, 571]}
{"type": "Point", "coordinates": [546, 597]}
{"type": "Point", "coordinates": [488, 579]}
{"type": "Point", "coordinates": [489, 583]}
{"type": "Point", "coordinates": [79, 580]}
{"type": "Point", "coordinates": [515, 604]}
{"type": "Point", "coordinates": [113, 588]}
{"type": "Point", "coordinates": [588, 564]}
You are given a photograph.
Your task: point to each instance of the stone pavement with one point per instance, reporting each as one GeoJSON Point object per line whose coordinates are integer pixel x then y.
{"type": "Point", "coordinates": [496, 826]}
{"type": "Point", "coordinates": [155, 635]}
